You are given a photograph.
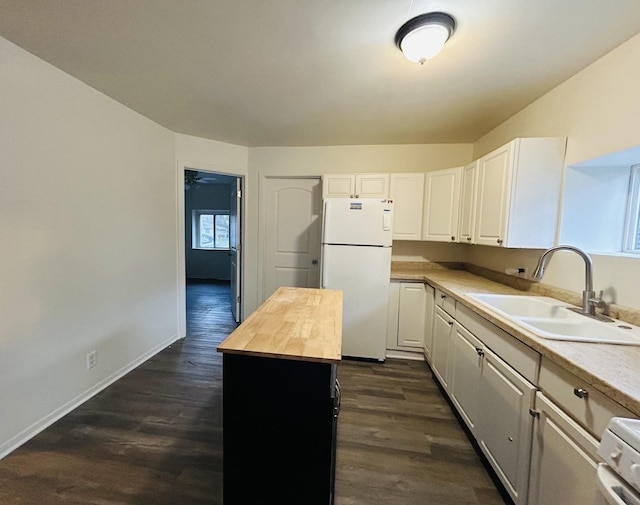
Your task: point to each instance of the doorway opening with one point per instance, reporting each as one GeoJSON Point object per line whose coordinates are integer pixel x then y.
{"type": "Point", "coordinates": [212, 250]}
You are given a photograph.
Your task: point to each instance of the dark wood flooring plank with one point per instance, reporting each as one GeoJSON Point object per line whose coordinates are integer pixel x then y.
{"type": "Point", "coordinates": [399, 441]}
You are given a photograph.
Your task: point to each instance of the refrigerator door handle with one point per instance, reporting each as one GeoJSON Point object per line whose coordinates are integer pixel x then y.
{"type": "Point", "coordinates": [386, 220]}
{"type": "Point", "coordinates": [325, 279]}
{"type": "Point", "coordinates": [324, 220]}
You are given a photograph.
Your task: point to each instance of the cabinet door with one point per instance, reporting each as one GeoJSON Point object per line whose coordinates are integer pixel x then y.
{"type": "Point", "coordinates": [428, 321]}
{"type": "Point", "coordinates": [411, 314]}
{"type": "Point", "coordinates": [494, 192]}
{"type": "Point", "coordinates": [407, 193]}
{"type": "Point", "coordinates": [442, 205]}
{"type": "Point", "coordinates": [392, 315]}
{"type": "Point", "coordinates": [466, 368]}
{"type": "Point", "coordinates": [505, 425]}
{"type": "Point", "coordinates": [440, 353]}
{"type": "Point", "coordinates": [466, 225]}
{"type": "Point", "coordinates": [563, 459]}
{"type": "Point", "coordinates": [338, 186]}
{"type": "Point", "coordinates": [372, 186]}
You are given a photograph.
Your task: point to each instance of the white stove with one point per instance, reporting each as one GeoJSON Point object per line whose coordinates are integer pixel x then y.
{"type": "Point", "coordinates": [619, 475]}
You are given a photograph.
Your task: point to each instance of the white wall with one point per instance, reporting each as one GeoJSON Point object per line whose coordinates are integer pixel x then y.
{"type": "Point", "coordinates": [88, 249]}
{"type": "Point", "coordinates": [409, 250]}
{"type": "Point", "coordinates": [211, 155]}
{"type": "Point", "coordinates": [598, 110]}
{"type": "Point", "coordinates": [315, 161]}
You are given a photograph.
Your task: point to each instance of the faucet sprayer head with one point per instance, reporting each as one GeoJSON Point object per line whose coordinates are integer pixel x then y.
{"type": "Point", "coordinates": [539, 271]}
{"type": "Point", "coordinates": [542, 263]}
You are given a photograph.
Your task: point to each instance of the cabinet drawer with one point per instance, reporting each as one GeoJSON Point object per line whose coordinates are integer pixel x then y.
{"type": "Point", "coordinates": [446, 302]}
{"type": "Point", "coordinates": [522, 358]}
{"type": "Point", "coordinates": [592, 411]}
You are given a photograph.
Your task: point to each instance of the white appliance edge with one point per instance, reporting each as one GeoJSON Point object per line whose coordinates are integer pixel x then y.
{"type": "Point", "coordinates": [356, 259]}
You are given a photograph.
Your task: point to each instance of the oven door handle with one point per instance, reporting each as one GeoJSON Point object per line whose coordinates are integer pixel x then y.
{"type": "Point", "coordinates": [613, 489]}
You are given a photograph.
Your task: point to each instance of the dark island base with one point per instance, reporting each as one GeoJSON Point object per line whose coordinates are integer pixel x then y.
{"type": "Point", "coordinates": [279, 429]}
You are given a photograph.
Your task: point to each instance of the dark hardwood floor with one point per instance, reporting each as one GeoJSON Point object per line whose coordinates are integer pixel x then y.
{"type": "Point", "coordinates": [154, 437]}
{"type": "Point", "coordinates": [400, 443]}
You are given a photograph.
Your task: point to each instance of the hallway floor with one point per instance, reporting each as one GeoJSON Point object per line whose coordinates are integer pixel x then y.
{"type": "Point", "coordinates": [155, 436]}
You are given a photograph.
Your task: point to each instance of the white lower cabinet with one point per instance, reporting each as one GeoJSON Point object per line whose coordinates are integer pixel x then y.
{"type": "Point", "coordinates": [406, 316]}
{"type": "Point", "coordinates": [537, 423]}
{"type": "Point", "coordinates": [563, 458]}
{"type": "Point", "coordinates": [466, 371]}
{"type": "Point", "coordinates": [411, 314]}
{"type": "Point", "coordinates": [429, 309]}
{"type": "Point", "coordinates": [505, 425]}
{"type": "Point", "coordinates": [492, 397]}
{"type": "Point", "coordinates": [441, 351]}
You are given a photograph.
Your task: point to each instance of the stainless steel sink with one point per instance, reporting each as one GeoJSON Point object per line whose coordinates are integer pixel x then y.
{"type": "Point", "coordinates": [553, 319]}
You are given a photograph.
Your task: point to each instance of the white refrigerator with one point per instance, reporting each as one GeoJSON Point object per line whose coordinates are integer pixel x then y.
{"type": "Point", "coordinates": [356, 259]}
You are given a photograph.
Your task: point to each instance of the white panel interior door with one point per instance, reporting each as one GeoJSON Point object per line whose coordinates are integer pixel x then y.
{"type": "Point", "coordinates": [293, 209]}
{"type": "Point", "coordinates": [235, 247]}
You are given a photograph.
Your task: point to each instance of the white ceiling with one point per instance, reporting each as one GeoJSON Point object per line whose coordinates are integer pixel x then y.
{"type": "Point", "coordinates": [318, 72]}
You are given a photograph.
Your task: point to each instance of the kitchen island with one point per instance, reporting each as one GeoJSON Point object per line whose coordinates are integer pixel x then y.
{"type": "Point", "coordinates": [281, 400]}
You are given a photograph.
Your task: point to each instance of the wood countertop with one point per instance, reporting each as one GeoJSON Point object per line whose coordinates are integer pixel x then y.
{"type": "Point", "coordinates": [293, 323]}
{"type": "Point", "coordinates": [612, 369]}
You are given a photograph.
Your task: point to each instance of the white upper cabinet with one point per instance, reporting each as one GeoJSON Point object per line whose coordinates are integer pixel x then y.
{"type": "Point", "coordinates": [372, 186]}
{"type": "Point", "coordinates": [407, 193]}
{"type": "Point", "coordinates": [441, 205]}
{"type": "Point", "coordinates": [338, 186]}
{"type": "Point", "coordinates": [518, 193]}
{"type": "Point", "coordinates": [466, 223]}
{"type": "Point", "coordinates": [355, 186]}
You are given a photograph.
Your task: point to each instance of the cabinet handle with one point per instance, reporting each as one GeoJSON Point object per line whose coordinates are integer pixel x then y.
{"type": "Point", "coordinates": [443, 296]}
{"type": "Point", "coordinates": [499, 241]}
{"type": "Point", "coordinates": [450, 323]}
{"type": "Point", "coordinates": [351, 196]}
{"type": "Point", "coordinates": [468, 239]}
{"type": "Point", "coordinates": [357, 196]}
{"type": "Point", "coordinates": [581, 393]}
{"type": "Point", "coordinates": [480, 351]}
{"type": "Point", "coordinates": [453, 238]}
{"type": "Point", "coordinates": [534, 413]}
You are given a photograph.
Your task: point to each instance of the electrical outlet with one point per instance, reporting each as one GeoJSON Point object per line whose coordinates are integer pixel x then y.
{"type": "Point", "coordinates": [92, 359]}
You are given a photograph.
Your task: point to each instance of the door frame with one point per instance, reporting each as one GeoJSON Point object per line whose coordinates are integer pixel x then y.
{"type": "Point", "coordinates": [262, 191]}
{"type": "Point", "coordinates": [181, 167]}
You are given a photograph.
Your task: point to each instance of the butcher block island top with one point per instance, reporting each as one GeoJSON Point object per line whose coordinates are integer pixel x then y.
{"type": "Point", "coordinates": [293, 323]}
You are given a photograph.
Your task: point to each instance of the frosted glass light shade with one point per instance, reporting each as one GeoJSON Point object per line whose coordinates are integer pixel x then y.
{"type": "Point", "coordinates": [424, 43]}
{"type": "Point", "coordinates": [424, 36]}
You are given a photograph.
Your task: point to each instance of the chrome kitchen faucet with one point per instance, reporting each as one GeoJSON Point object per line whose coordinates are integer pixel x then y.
{"type": "Point", "coordinates": [589, 298]}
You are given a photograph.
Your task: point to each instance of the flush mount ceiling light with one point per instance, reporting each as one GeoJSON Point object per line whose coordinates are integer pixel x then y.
{"type": "Point", "coordinates": [422, 37]}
